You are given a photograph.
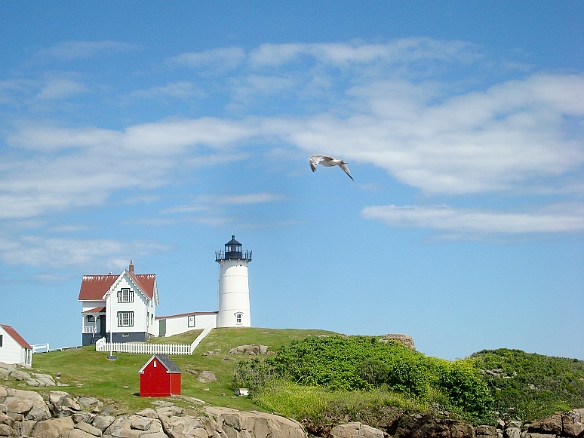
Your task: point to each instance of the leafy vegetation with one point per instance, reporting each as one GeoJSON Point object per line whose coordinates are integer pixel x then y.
{"type": "Point", "coordinates": [322, 378]}
{"type": "Point", "coordinates": [531, 386]}
{"type": "Point", "coordinates": [87, 372]}
{"type": "Point", "coordinates": [339, 364]}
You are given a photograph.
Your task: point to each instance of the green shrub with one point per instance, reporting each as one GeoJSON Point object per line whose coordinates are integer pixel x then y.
{"type": "Point", "coordinates": [531, 386]}
{"type": "Point", "coordinates": [465, 388]}
{"type": "Point", "coordinates": [338, 364]}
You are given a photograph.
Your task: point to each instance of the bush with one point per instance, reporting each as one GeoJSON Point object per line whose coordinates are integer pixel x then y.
{"type": "Point", "coordinates": [531, 386]}
{"type": "Point", "coordinates": [343, 364]}
{"type": "Point", "coordinates": [465, 388]}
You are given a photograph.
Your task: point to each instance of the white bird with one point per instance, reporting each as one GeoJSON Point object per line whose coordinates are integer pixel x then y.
{"type": "Point", "coordinates": [327, 161]}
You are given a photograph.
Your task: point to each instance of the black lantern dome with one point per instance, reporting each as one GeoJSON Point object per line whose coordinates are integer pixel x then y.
{"type": "Point", "coordinates": [233, 251]}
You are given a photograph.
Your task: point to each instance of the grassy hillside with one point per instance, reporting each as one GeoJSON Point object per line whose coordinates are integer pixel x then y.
{"type": "Point", "coordinates": [87, 372]}
{"type": "Point", "coordinates": [520, 385]}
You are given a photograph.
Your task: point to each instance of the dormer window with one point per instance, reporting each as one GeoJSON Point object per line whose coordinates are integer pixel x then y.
{"type": "Point", "coordinates": [125, 296]}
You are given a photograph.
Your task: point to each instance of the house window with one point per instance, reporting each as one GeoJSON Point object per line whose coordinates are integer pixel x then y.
{"type": "Point", "coordinates": [238, 318]}
{"type": "Point", "coordinates": [191, 321]}
{"type": "Point", "coordinates": [90, 318]}
{"type": "Point", "coordinates": [125, 319]}
{"type": "Point", "coordinates": [125, 296]}
{"type": "Point", "coordinates": [0, 340]}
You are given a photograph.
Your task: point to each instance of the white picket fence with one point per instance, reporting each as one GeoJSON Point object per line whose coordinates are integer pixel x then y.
{"type": "Point", "coordinates": [144, 348]}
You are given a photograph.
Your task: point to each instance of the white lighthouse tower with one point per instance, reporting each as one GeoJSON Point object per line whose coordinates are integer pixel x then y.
{"type": "Point", "coordinates": [234, 308]}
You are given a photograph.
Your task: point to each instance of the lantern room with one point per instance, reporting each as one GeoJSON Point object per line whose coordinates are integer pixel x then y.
{"type": "Point", "coordinates": [233, 251]}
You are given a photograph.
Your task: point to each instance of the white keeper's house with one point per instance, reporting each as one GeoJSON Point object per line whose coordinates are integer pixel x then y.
{"type": "Point", "coordinates": [123, 307]}
{"type": "Point", "coordinates": [13, 348]}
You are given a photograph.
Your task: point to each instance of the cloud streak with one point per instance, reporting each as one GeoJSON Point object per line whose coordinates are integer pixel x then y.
{"type": "Point", "coordinates": [383, 105]}
{"type": "Point", "coordinates": [69, 50]}
{"type": "Point", "coordinates": [80, 253]}
{"type": "Point", "coordinates": [479, 221]}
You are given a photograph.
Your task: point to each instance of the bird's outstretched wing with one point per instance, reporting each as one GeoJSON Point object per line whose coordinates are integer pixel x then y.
{"type": "Point", "coordinates": [316, 159]}
{"type": "Point", "coordinates": [343, 166]}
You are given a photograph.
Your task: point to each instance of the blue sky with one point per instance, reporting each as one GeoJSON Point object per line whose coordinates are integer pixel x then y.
{"type": "Point", "coordinates": [152, 131]}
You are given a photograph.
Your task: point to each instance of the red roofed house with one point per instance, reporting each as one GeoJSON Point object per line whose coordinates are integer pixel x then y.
{"type": "Point", "coordinates": [124, 305]}
{"type": "Point", "coordinates": [13, 348]}
{"type": "Point", "coordinates": [159, 377]}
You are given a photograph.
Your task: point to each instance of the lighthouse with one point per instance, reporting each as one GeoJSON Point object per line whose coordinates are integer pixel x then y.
{"type": "Point", "coordinates": [234, 310]}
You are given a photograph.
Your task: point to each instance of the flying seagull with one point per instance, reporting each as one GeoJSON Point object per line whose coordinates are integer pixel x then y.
{"type": "Point", "coordinates": [327, 161]}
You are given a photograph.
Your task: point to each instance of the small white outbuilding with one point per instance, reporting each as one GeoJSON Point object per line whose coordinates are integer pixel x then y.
{"type": "Point", "coordinates": [13, 348]}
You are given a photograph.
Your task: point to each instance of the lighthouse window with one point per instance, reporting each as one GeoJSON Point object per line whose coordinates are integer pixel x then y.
{"type": "Point", "coordinates": [238, 318]}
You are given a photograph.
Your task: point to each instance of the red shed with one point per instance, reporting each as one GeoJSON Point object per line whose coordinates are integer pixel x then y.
{"type": "Point", "coordinates": [159, 377]}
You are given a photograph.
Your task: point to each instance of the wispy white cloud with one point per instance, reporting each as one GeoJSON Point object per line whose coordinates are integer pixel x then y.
{"type": "Point", "coordinates": [61, 89]}
{"type": "Point", "coordinates": [221, 59]}
{"type": "Point", "coordinates": [225, 210]}
{"type": "Point", "coordinates": [61, 252]}
{"type": "Point", "coordinates": [178, 90]}
{"type": "Point", "coordinates": [517, 136]}
{"type": "Point", "coordinates": [471, 221]}
{"type": "Point", "coordinates": [501, 139]}
{"type": "Point", "coordinates": [211, 202]}
{"type": "Point", "coordinates": [402, 51]}
{"type": "Point", "coordinates": [12, 90]}
{"type": "Point", "coordinates": [68, 50]}
{"type": "Point", "coordinates": [245, 199]}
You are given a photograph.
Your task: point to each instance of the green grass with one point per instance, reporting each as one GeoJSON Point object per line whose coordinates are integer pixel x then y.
{"type": "Point", "coordinates": [89, 373]}
{"type": "Point", "coordinates": [528, 387]}
{"type": "Point", "coordinates": [316, 403]}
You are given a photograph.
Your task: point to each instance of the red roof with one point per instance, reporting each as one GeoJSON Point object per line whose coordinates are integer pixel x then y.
{"type": "Point", "coordinates": [14, 335]}
{"type": "Point", "coordinates": [94, 287]}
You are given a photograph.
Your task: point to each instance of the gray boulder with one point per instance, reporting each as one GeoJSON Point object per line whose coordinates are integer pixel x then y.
{"type": "Point", "coordinates": [486, 432]}
{"type": "Point", "coordinates": [88, 428]}
{"type": "Point", "coordinates": [572, 425]}
{"type": "Point", "coordinates": [52, 428]}
{"type": "Point", "coordinates": [250, 349]}
{"type": "Point", "coordinates": [407, 340]}
{"type": "Point", "coordinates": [239, 424]}
{"type": "Point", "coordinates": [77, 433]}
{"type": "Point", "coordinates": [102, 422]}
{"type": "Point", "coordinates": [355, 430]}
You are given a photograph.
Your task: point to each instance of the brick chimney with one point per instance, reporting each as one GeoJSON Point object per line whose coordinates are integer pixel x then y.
{"type": "Point", "coordinates": [131, 267]}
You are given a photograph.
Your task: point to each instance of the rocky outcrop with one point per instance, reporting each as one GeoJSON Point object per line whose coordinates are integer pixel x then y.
{"type": "Point", "coordinates": [407, 340]}
{"type": "Point", "coordinates": [239, 424]}
{"type": "Point", "coordinates": [15, 372]}
{"type": "Point", "coordinates": [58, 414]}
{"type": "Point", "coordinates": [355, 430]}
{"type": "Point", "coordinates": [250, 349]}
{"type": "Point", "coordinates": [570, 424]}
{"type": "Point", "coordinates": [26, 413]}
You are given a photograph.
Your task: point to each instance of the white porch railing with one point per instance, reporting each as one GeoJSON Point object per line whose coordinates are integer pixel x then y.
{"type": "Point", "coordinates": [89, 329]}
{"type": "Point", "coordinates": [40, 348]}
{"type": "Point", "coordinates": [145, 348]}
